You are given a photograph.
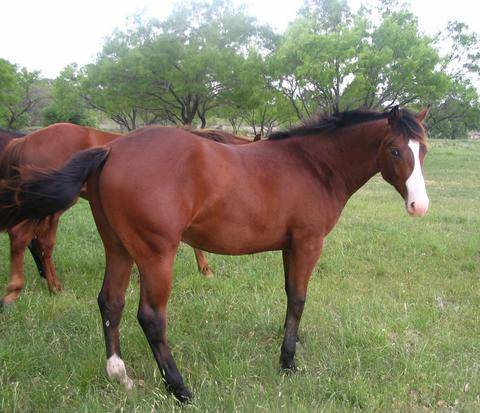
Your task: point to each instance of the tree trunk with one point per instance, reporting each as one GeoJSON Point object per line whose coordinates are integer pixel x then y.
{"type": "Point", "coordinates": [201, 115]}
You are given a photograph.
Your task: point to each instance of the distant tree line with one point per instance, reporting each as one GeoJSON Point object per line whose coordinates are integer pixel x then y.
{"type": "Point", "coordinates": [211, 61]}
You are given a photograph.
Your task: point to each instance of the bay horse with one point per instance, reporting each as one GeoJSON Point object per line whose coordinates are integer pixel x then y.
{"type": "Point", "coordinates": [50, 148]}
{"type": "Point", "coordinates": [285, 193]}
{"type": "Point", "coordinates": [6, 136]}
{"type": "Point", "coordinates": [47, 148]}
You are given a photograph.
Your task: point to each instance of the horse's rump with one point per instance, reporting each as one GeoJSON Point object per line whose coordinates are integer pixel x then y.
{"type": "Point", "coordinates": [11, 159]}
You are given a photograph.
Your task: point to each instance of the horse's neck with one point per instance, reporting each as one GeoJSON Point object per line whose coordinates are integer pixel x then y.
{"type": "Point", "coordinates": [351, 156]}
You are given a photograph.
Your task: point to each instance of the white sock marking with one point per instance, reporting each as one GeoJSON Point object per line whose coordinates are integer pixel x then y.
{"type": "Point", "coordinates": [116, 370]}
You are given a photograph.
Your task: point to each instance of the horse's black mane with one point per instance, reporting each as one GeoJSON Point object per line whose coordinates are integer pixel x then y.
{"type": "Point", "coordinates": [12, 132]}
{"type": "Point", "coordinates": [406, 123]}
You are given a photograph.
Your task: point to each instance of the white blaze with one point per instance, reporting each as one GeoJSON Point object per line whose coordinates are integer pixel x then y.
{"type": "Point", "coordinates": [417, 198]}
{"type": "Point", "coordinates": [116, 370]}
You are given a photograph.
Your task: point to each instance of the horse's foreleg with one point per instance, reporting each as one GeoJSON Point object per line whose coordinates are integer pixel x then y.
{"type": "Point", "coordinates": [111, 301]}
{"type": "Point", "coordinates": [20, 236]}
{"type": "Point", "coordinates": [298, 262]}
{"type": "Point", "coordinates": [155, 288]}
{"type": "Point", "coordinates": [202, 264]}
{"type": "Point", "coordinates": [46, 235]}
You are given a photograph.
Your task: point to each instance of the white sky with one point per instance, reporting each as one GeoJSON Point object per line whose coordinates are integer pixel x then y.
{"type": "Point", "coordinates": [47, 35]}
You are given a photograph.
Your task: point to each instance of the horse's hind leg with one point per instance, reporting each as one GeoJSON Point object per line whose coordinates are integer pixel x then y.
{"type": "Point", "coordinates": [111, 301]}
{"type": "Point", "coordinates": [111, 298]}
{"type": "Point", "coordinates": [46, 235]}
{"type": "Point", "coordinates": [202, 264]}
{"type": "Point", "coordinates": [37, 253]}
{"type": "Point", "coordinates": [155, 288]}
{"type": "Point", "coordinates": [20, 236]}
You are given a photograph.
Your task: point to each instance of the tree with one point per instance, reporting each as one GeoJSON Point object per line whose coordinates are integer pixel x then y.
{"type": "Point", "coordinates": [253, 101]}
{"type": "Point", "coordinates": [399, 66]}
{"type": "Point", "coordinates": [209, 57]}
{"type": "Point", "coordinates": [67, 103]}
{"type": "Point", "coordinates": [317, 55]}
{"type": "Point", "coordinates": [458, 111]}
{"type": "Point", "coordinates": [21, 92]}
{"type": "Point", "coordinates": [116, 84]}
{"type": "Point", "coordinates": [173, 71]}
{"type": "Point", "coordinates": [332, 60]}
{"type": "Point", "coordinates": [196, 58]}
{"type": "Point", "coordinates": [7, 83]}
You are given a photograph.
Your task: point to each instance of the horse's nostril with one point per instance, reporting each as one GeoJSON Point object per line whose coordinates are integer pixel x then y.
{"type": "Point", "coordinates": [412, 205]}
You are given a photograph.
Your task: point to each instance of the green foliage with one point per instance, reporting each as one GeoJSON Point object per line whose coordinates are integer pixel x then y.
{"type": "Point", "coordinates": [67, 103]}
{"type": "Point", "coordinates": [116, 84]}
{"type": "Point", "coordinates": [176, 70]}
{"type": "Point", "coordinates": [252, 102]}
{"type": "Point", "coordinates": [316, 56]}
{"type": "Point", "coordinates": [332, 60]}
{"type": "Point", "coordinates": [21, 92]}
{"type": "Point", "coordinates": [212, 59]}
{"type": "Point", "coordinates": [198, 58]}
{"type": "Point", "coordinates": [457, 112]}
{"type": "Point", "coordinates": [7, 81]}
{"type": "Point", "coordinates": [399, 66]}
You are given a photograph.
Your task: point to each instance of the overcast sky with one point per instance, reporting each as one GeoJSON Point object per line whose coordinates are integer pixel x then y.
{"type": "Point", "coordinates": [47, 35]}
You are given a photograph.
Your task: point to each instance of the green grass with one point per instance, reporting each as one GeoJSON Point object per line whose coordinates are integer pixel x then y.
{"type": "Point", "coordinates": [391, 321]}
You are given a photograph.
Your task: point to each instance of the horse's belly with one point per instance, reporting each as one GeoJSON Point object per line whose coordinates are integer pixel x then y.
{"type": "Point", "coordinates": [232, 240]}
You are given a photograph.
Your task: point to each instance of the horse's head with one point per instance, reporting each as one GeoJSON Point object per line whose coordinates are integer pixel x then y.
{"type": "Point", "coordinates": [401, 158]}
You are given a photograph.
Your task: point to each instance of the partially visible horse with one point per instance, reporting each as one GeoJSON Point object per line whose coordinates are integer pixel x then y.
{"type": "Point", "coordinates": [50, 148]}
{"type": "Point", "coordinates": [47, 148]}
{"type": "Point", "coordinates": [157, 186]}
{"type": "Point", "coordinates": [6, 136]}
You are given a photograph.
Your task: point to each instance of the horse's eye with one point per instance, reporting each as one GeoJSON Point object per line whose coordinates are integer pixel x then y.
{"type": "Point", "coordinates": [395, 152]}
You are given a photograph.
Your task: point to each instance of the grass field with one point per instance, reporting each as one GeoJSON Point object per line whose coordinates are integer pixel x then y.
{"type": "Point", "coordinates": [391, 322]}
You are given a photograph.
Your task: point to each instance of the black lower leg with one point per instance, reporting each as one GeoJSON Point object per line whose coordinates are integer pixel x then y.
{"type": "Point", "coordinates": [292, 321]}
{"type": "Point", "coordinates": [154, 324]}
{"type": "Point", "coordinates": [37, 253]}
{"type": "Point", "coordinates": [111, 310]}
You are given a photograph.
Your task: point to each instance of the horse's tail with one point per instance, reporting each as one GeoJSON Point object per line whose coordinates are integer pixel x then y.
{"type": "Point", "coordinates": [46, 193]}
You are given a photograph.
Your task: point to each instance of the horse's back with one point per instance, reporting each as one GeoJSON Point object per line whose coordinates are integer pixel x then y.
{"type": "Point", "coordinates": [52, 146]}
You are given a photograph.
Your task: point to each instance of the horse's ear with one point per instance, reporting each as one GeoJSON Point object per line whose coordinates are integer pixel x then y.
{"type": "Point", "coordinates": [423, 113]}
{"type": "Point", "coordinates": [394, 115]}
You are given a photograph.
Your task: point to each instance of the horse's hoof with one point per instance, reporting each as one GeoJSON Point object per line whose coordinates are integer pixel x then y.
{"type": "Point", "coordinates": [128, 384]}
{"type": "Point", "coordinates": [289, 367]}
{"type": "Point", "coordinates": [182, 394]}
{"type": "Point", "coordinates": [207, 272]}
{"type": "Point", "coordinates": [55, 289]}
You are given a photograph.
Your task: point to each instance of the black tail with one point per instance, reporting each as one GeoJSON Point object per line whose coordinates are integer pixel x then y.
{"type": "Point", "coordinates": [47, 192]}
